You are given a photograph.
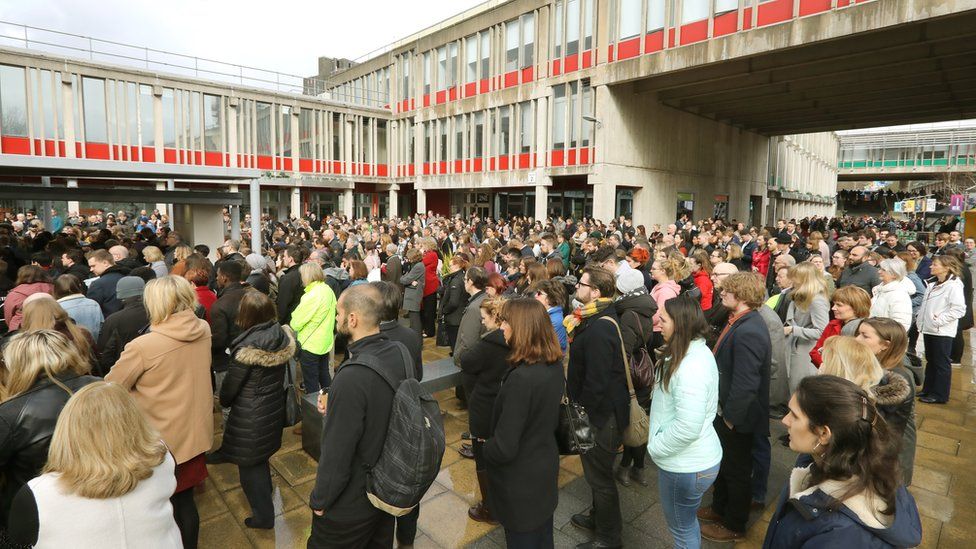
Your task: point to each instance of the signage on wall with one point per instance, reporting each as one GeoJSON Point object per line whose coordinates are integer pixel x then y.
{"type": "Point", "coordinates": [930, 205]}
{"type": "Point", "coordinates": [899, 206]}
{"type": "Point", "coordinates": [957, 202]}
{"type": "Point", "coordinates": [532, 176]}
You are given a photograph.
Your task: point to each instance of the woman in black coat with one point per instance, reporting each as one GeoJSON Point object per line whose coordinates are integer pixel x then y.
{"type": "Point", "coordinates": [966, 322]}
{"type": "Point", "coordinates": [253, 392]}
{"type": "Point", "coordinates": [521, 453]}
{"type": "Point", "coordinates": [482, 370]}
{"type": "Point", "coordinates": [452, 298]}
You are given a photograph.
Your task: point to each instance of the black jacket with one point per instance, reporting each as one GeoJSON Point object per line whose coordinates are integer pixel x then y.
{"type": "Point", "coordinates": [223, 323]}
{"type": "Point", "coordinates": [26, 425]}
{"type": "Point", "coordinates": [260, 282]}
{"type": "Point", "coordinates": [253, 391]}
{"type": "Point", "coordinates": [102, 290]}
{"type": "Point", "coordinates": [79, 270]}
{"type": "Point", "coordinates": [743, 357]}
{"type": "Point", "coordinates": [636, 320]}
{"type": "Point", "coordinates": [595, 376]}
{"type": "Point", "coordinates": [354, 431]}
{"type": "Point", "coordinates": [482, 370]}
{"type": "Point", "coordinates": [290, 292]}
{"type": "Point", "coordinates": [521, 455]}
{"type": "Point", "coordinates": [395, 332]}
{"type": "Point", "coordinates": [118, 330]}
{"type": "Point", "coordinates": [454, 298]}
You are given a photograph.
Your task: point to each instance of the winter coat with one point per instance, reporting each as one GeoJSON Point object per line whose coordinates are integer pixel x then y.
{"type": "Point", "coordinates": [260, 281]}
{"type": "Point", "coordinates": [159, 267]}
{"type": "Point", "coordinates": [779, 384]}
{"type": "Point", "coordinates": [595, 375]}
{"type": "Point", "coordinates": [834, 327]}
{"type": "Point", "coordinates": [253, 391]}
{"type": "Point", "coordinates": [743, 357]}
{"type": "Point", "coordinates": [895, 398]}
{"type": "Point", "coordinates": [636, 327]}
{"type": "Point", "coordinates": [704, 284]}
{"type": "Point", "coordinates": [26, 426]}
{"type": "Point", "coordinates": [393, 269]}
{"type": "Point", "coordinates": [471, 328]}
{"type": "Point", "coordinates": [556, 318]}
{"type": "Point", "coordinates": [893, 300]}
{"type": "Point", "coordinates": [223, 323]}
{"type": "Point", "coordinates": [289, 293]}
{"type": "Point", "coordinates": [453, 298]}
{"type": "Point", "coordinates": [682, 438]}
{"type": "Point", "coordinates": [808, 326]}
{"type": "Point", "coordinates": [13, 306]}
{"type": "Point", "coordinates": [942, 307]}
{"type": "Point", "coordinates": [760, 261]}
{"type": "Point", "coordinates": [102, 289]}
{"type": "Point", "coordinates": [85, 312]}
{"type": "Point", "coordinates": [118, 330]}
{"type": "Point", "coordinates": [661, 293]}
{"type": "Point", "coordinates": [431, 281]}
{"type": "Point", "coordinates": [863, 275]}
{"type": "Point", "coordinates": [803, 519]}
{"type": "Point", "coordinates": [413, 295]}
{"type": "Point", "coordinates": [314, 319]}
{"type": "Point", "coordinates": [206, 298]}
{"type": "Point", "coordinates": [482, 371]}
{"type": "Point", "coordinates": [167, 371]}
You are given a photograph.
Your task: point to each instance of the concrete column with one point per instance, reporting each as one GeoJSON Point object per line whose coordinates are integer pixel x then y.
{"type": "Point", "coordinates": [232, 148]}
{"type": "Point", "coordinates": [67, 113]}
{"type": "Point", "coordinates": [294, 141]}
{"type": "Point", "coordinates": [170, 185]}
{"type": "Point", "coordinates": [541, 201]}
{"type": "Point", "coordinates": [46, 205]}
{"type": "Point", "coordinates": [235, 216]}
{"type": "Point", "coordinates": [604, 201]}
{"type": "Point", "coordinates": [255, 188]}
{"type": "Point", "coordinates": [421, 201]}
{"type": "Point", "coordinates": [541, 130]}
{"type": "Point", "coordinates": [347, 203]}
{"type": "Point", "coordinates": [296, 202]}
{"type": "Point", "coordinates": [158, 121]}
{"type": "Point", "coordinates": [394, 203]}
{"type": "Point", "coordinates": [73, 205]}
{"type": "Point", "coordinates": [163, 209]}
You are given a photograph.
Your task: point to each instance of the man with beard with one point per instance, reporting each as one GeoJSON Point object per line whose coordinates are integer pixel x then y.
{"type": "Point", "coordinates": [858, 272]}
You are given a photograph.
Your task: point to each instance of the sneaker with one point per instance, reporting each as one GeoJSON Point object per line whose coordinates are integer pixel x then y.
{"type": "Point", "coordinates": [714, 531]}
{"type": "Point", "coordinates": [584, 522]}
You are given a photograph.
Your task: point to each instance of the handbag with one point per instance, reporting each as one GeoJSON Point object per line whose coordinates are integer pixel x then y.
{"type": "Point", "coordinates": [637, 431]}
{"type": "Point", "coordinates": [574, 436]}
{"type": "Point", "coordinates": [641, 365]}
{"type": "Point", "coordinates": [442, 340]}
{"type": "Point", "coordinates": [293, 400]}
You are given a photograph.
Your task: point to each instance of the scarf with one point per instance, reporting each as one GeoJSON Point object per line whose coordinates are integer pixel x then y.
{"type": "Point", "coordinates": [592, 308]}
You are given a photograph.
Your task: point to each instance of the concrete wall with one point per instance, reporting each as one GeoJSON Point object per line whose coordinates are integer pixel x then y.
{"type": "Point", "coordinates": [803, 170]}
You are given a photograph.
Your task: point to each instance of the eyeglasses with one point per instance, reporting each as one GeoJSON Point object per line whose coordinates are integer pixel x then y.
{"type": "Point", "coordinates": [578, 284]}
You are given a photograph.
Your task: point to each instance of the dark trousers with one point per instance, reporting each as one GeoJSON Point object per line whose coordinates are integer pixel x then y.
{"type": "Point", "coordinates": [478, 449]}
{"type": "Point", "coordinates": [938, 372]}
{"type": "Point", "coordinates": [428, 313]}
{"type": "Point", "coordinates": [186, 516]}
{"type": "Point", "coordinates": [762, 455]}
{"type": "Point", "coordinates": [540, 538]}
{"type": "Point", "coordinates": [375, 532]}
{"type": "Point", "coordinates": [256, 483]}
{"type": "Point", "coordinates": [598, 471]}
{"type": "Point", "coordinates": [416, 324]}
{"type": "Point", "coordinates": [913, 338]}
{"type": "Point", "coordinates": [315, 371]}
{"type": "Point", "coordinates": [633, 455]}
{"type": "Point", "coordinates": [406, 527]}
{"type": "Point", "coordinates": [732, 490]}
{"type": "Point", "coordinates": [452, 332]}
{"type": "Point", "coordinates": [958, 343]}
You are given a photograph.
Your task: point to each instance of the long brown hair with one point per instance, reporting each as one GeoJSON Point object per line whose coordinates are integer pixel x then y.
{"type": "Point", "coordinates": [689, 324]}
{"type": "Point", "coordinates": [533, 338]}
{"type": "Point", "coordinates": [892, 332]}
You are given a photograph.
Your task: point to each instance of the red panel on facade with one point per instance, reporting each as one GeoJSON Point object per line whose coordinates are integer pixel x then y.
{"type": "Point", "coordinates": [149, 154]}
{"type": "Point", "coordinates": [452, 94]}
{"type": "Point", "coordinates": [654, 42]}
{"type": "Point", "coordinates": [628, 48]}
{"type": "Point", "coordinates": [524, 161]}
{"type": "Point", "coordinates": [50, 147]}
{"type": "Point", "coordinates": [587, 59]}
{"type": "Point", "coordinates": [440, 97]}
{"type": "Point", "coordinates": [556, 158]}
{"type": "Point", "coordinates": [610, 50]}
{"type": "Point", "coordinates": [458, 166]}
{"type": "Point", "coordinates": [305, 165]}
{"type": "Point", "coordinates": [725, 23]}
{"type": "Point", "coordinates": [491, 164]}
{"type": "Point", "coordinates": [572, 63]}
{"type": "Point", "coordinates": [213, 159]}
{"type": "Point", "coordinates": [366, 169]}
{"type": "Point", "coordinates": [169, 156]}
{"type": "Point", "coordinates": [809, 7]}
{"type": "Point", "coordinates": [426, 168]}
{"type": "Point", "coordinates": [503, 162]}
{"type": "Point", "coordinates": [61, 148]}
{"type": "Point", "coordinates": [479, 164]}
{"type": "Point", "coordinates": [747, 19]}
{"type": "Point", "coordinates": [694, 32]}
{"type": "Point", "coordinates": [584, 156]}
{"type": "Point", "coordinates": [15, 145]}
{"type": "Point", "coordinates": [96, 150]}
{"type": "Point", "coordinates": [471, 88]}
{"type": "Point", "coordinates": [336, 167]}
{"type": "Point", "coordinates": [427, 100]}
{"type": "Point", "coordinates": [671, 38]}
{"type": "Point", "coordinates": [442, 167]}
{"type": "Point", "coordinates": [511, 79]}
{"type": "Point", "coordinates": [527, 74]}
{"type": "Point", "coordinates": [117, 154]}
{"type": "Point", "coordinates": [382, 170]}
{"type": "Point", "coordinates": [571, 157]}
{"type": "Point", "coordinates": [484, 86]}
{"type": "Point", "coordinates": [264, 162]}
{"type": "Point", "coordinates": [557, 67]}
{"type": "Point", "coordinates": [411, 170]}
{"type": "Point", "coordinates": [775, 11]}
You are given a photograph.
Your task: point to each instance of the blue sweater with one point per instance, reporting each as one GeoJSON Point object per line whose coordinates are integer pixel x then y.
{"type": "Point", "coordinates": [556, 317]}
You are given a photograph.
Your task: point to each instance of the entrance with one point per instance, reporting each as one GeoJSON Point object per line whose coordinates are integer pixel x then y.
{"type": "Point", "coordinates": [470, 203]}
{"type": "Point", "coordinates": [686, 205]}
{"type": "Point", "coordinates": [755, 210]}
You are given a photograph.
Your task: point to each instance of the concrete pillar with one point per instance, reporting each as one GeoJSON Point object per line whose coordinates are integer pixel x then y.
{"type": "Point", "coordinates": [67, 110]}
{"type": "Point", "coordinates": [200, 224]}
{"type": "Point", "coordinates": [235, 216]}
{"type": "Point", "coordinates": [347, 203]}
{"type": "Point", "coordinates": [232, 147]}
{"type": "Point", "coordinates": [255, 188]}
{"type": "Point", "coordinates": [161, 186]}
{"type": "Point", "coordinates": [604, 201]}
{"type": "Point", "coordinates": [421, 201]}
{"type": "Point", "coordinates": [73, 205]}
{"type": "Point", "coordinates": [295, 150]}
{"type": "Point", "coordinates": [394, 202]}
{"type": "Point", "coordinates": [46, 205]}
{"type": "Point", "coordinates": [541, 201]}
{"type": "Point", "coordinates": [296, 202]}
{"type": "Point", "coordinates": [171, 185]}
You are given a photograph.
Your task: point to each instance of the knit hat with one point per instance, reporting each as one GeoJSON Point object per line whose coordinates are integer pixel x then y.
{"type": "Point", "coordinates": [629, 280]}
{"type": "Point", "coordinates": [256, 262]}
{"type": "Point", "coordinates": [129, 286]}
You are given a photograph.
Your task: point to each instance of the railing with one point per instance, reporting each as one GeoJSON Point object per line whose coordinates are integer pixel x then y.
{"type": "Point", "coordinates": [97, 49]}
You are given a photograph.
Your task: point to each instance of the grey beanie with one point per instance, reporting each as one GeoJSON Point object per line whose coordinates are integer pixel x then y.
{"type": "Point", "coordinates": [129, 286]}
{"type": "Point", "coordinates": [256, 262]}
{"type": "Point", "coordinates": [629, 280]}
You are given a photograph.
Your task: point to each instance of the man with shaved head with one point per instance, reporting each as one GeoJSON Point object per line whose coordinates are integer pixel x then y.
{"type": "Point", "coordinates": [858, 272]}
{"type": "Point", "coordinates": [122, 259]}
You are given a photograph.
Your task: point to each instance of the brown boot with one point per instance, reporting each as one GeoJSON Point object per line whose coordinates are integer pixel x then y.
{"type": "Point", "coordinates": [480, 512]}
{"type": "Point", "coordinates": [716, 531]}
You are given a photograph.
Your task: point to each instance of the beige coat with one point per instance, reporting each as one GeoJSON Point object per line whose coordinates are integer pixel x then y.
{"type": "Point", "coordinates": [167, 371]}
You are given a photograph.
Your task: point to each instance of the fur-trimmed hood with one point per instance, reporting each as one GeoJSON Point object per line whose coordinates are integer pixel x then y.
{"type": "Point", "coordinates": [266, 345]}
{"type": "Point", "coordinates": [892, 391]}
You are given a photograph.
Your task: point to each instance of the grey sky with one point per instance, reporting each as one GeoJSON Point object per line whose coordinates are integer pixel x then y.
{"type": "Point", "coordinates": [284, 35]}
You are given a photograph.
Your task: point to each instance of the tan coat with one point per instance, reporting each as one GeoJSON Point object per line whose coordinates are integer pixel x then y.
{"type": "Point", "coordinates": [167, 371]}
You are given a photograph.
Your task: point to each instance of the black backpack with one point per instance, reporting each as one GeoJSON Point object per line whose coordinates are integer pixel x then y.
{"type": "Point", "coordinates": [414, 445]}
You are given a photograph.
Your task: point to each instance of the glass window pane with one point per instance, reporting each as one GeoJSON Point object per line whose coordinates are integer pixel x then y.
{"type": "Point", "coordinates": [381, 145]}
{"type": "Point", "coordinates": [525, 126]}
{"type": "Point", "coordinates": [722, 6]}
{"type": "Point", "coordinates": [694, 10]}
{"type": "Point", "coordinates": [427, 73]}
{"type": "Point", "coordinates": [196, 121]}
{"type": "Point", "coordinates": [96, 129]}
{"type": "Point", "coordinates": [306, 130]}
{"type": "Point", "coordinates": [572, 26]}
{"type": "Point", "coordinates": [511, 45]}
{"type": "Point", "coordinates": [630, 18]}
{"type": "Point", "coordinates": [284, 129]}
{"type": "Point", "coordinates": [528, 40]}
{"type": "Point", "coordinates": [37, 104]}
{"type": "Point", "coordinates": [485, 53]}
{"type": "Point", "coordinates": [471, 58]}
{"type": "Point", "coordinates": [169, 118]}
{"type": "Point", "coordinates": [405, 91]}
{"type": "Point", "coordinates": [557, 35]}
{"type": "Point", "coordinates": [263, 129]}
{"type": "Point", "coordinates": [459, 138]}
{"type": "Point", "coordinates": [479, 134]}
{"type": "Point", "coordinates": [504, 129]}
{"type": "Point", "coordinates": [452, 64]}
{"type": "Point", "coordinates": [655, 14]}
{"type": "Point", "coordinates": [146, 119]}
{"type": "Point", "coordinates": [131, 105]}
{"type": "Point", "coordinates": [574, 116]}
{"type": "Point", "coordinates": [443, 140]}
{"type": "Point", "coordinates": [588, 25]}
{"type": "Point", "coordinates": [442, 68]}
{"type": "Point", "coordinates": [559, 117]}
{"type": "Point", "coordinates": [213, 138]}
{"type": "Point", "coordinates": [587, 112]}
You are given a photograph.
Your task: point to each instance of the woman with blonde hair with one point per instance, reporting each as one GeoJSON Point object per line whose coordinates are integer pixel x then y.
{"type": "Point", "coordinates": [314, 324]}
{"type": "Point", "coordinates": [845, 357]}
{"type": "Point", "coordinates": [167, 371]}
{"type": "Point", "coordinates": [107, 481]}
{"type": "Point", "coordinates": [42, 370]}
{"type": "Point", "coordinates": [154, 257]}
{"type": "Point", "coordinates": [806, 319]}
{"type": "Point", "coordinates": [851, 305]}
{"type": "Point", "coordinates": [44, 313]}
{"type": "Point", "coordinates": [942, 308]}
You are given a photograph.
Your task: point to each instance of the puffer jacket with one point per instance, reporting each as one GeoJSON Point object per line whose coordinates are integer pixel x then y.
{"type": "Point", "coordinates": [253, 392]}
{"type": "Point", "coordinates": [942, 307]}
{"type": "Point", "coordinates": [895, 397]}
{"type": "Point", "coordinates": [26, 425]}
{"type": "Point", "coordinates": [314, 319]}
{"type": "Point", "coordinates": [453, 298]}
{"type": "Point", "coordinates": [482, 371]}
{"type": "Point", "coordinates": [893, 300]}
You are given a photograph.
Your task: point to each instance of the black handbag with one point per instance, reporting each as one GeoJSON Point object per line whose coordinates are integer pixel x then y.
{"type": "Point", "coordinates": [442, 340]}
{"type": "Point", "coordinates": [574, 435]}
{"type": "Point", "coordinates": [293, 404]}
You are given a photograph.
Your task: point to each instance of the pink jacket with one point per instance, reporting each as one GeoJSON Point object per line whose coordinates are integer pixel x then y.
{"type": "Point", "coordinates": [13, 307]}
{"type": "Point", "coordinates": [661, 292]}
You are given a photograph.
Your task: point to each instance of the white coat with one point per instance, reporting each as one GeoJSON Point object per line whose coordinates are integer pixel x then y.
{"type": "Point", "coordinates": [894, 300]}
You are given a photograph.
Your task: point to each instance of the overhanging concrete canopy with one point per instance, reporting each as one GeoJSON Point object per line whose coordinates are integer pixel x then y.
{"type": "Point", "coordinates": [93, 194]}
{"type": "Point", "coordinates": [13, 164]}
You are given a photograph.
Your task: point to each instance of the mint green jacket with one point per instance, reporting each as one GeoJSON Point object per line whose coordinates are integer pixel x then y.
{"type": "Point", "coordinates": [682, 439]}
{"type": "Point", "coordinates": [314, 319]}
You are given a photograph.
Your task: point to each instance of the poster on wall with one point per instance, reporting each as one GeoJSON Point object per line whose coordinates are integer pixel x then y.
{"type": "Point", "coordinates": [909, 206]}
{"type": "Point", "coordinates": [899, 206]}
{"type": "Point", "coordinates": [930, 205]}
{"type": "Point", "coordinates": [957, 202]}
{"type": "Point", "coordinates": [721, 208]}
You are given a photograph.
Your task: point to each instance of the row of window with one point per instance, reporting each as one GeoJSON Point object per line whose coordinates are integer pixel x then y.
{"type": "Point", "coordinates": [629, 15]}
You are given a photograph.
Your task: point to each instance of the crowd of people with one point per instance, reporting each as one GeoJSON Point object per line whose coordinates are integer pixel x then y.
{"type": "Point", "coordinates": [117, 329]}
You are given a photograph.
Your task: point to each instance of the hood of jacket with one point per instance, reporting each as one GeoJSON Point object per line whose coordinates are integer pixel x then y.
{"type": "Point", "coordinates": [495, 337]}
{"type": "Point", "coordinates": [33, 288]}
{"type": "Point", "coordinates": [892, 391]}
{"type": "Point", "coordinates": [643, 304]}
{"type": "Point", "coordinates": [266, 345]}
{"type": "Point", "coordinates": [895, 286]}
{"type": "Point", "coordinates": [908, 285]}
{"type": "Point", "coordinates": [183, 326]}
{"type": "Point", "coordinates": [337, 273]}
{"type": "Point", "coordinates": [902, 529]}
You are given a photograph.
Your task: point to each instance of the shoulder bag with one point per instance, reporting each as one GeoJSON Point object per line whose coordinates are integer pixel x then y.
{"type": "Point", "coordinates": [641, 364]}
{"type": "Point", "coordinates": [574, 436]}
{"type": "Point", "coordinates": [636, 433]}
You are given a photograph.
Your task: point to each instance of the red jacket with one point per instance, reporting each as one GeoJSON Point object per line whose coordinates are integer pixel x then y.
{"type": "Point", "coordinates": [206, 297]}
{"type": "Point", "coordinates": [760, 261]}
{"type": "Point", "coordinates": [431, 282]}
{"type": "Point", "coordinates": [13, 307]}
{"type": "Point", "coordinates": [704, 284]}
{"type": "Point", "coordinates": [833, 328]}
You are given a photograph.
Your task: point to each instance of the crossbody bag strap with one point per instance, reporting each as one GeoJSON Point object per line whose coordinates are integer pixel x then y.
{"type": "Point", "coordinates": [623, 351]}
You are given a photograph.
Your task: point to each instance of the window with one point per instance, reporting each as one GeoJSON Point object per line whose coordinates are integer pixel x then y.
{"type": "Point", "coordinates": [459, 152]}
{"type": "Point", "coordinates": [479, 134]}
{"type": "Point", "coordinates": [305, 131]}
{"type": "Point", "coordinates": [13, 101]}
{"type": "Point", "coordinates": [443, 148]}
{"type": "Point", "coordinates": [655, 15]}
{"type": "Point", "coordinates": [573, 113]}
{"type": "Point", "coordinates": [212, 136]}
{"type": "Point", "coordinates": [471, 59]}
{"type": "Point", "coordinates": [366, 139]}
{"type": "Point", "coordinates": [572, 26]}
{"type": "Point", "coordinates": [695, 10]}
{"type": "Point", "coordinates": [382, 154]}
{"type": "Point", "coordinates": [146, 118]}
{"type": "Point", "coordinates": [285, 130]}
{"type": "Point", "coordinates": [485, 54]}
{"type": "Point", "coordinates": [504, 129]}
{"type": "Point", "coordinates": [47, 105]}
{"type": "Point", "coordinates": [96, 129]}
{"type": "Point", "coordinates": [525, 126]}
{"type": "Point", "coordinates": [588, 24]}
{"type": "Point", "coordinates": [442, 68]}
{"type": "Point", "coordinates": [196, 121]}
{"type": "Point", "coordinates": [336, 137]}
{"type": "Point", "coordinates": [405, 92]}
{"type": "Point", "coordinates": [559, 117]}
{"type": "Point", "coordinates": [630, 18]}
{"type": "Point", "coordinates": [528, 40]}
{"type": "Point", "coordinates": [588, 126]}
{"type": "Point", "coordinates": [511, 45]}
{"type": "Point", "coordinates": [169, 118]}
{"type": "Point", "coordinates": [557, 25]}
{"type": "Point", "coordinates": [428, 143]}
{"type": "Point", "coordinates": [264, 129]}
{"type": "Point", "coordinates": [452, 64]}
{"type": "Point", "coordinates": [427, 73]}
{"type": "Point", "coordinates": [723, 6]}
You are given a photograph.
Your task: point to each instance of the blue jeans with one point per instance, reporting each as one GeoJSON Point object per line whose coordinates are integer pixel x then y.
{"type": "Point", "coordinates": [315, 371]}
{"type": "Point", "coordinates": [761, 457]}
{"type": "Point", "coordinates": [681, 495]}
